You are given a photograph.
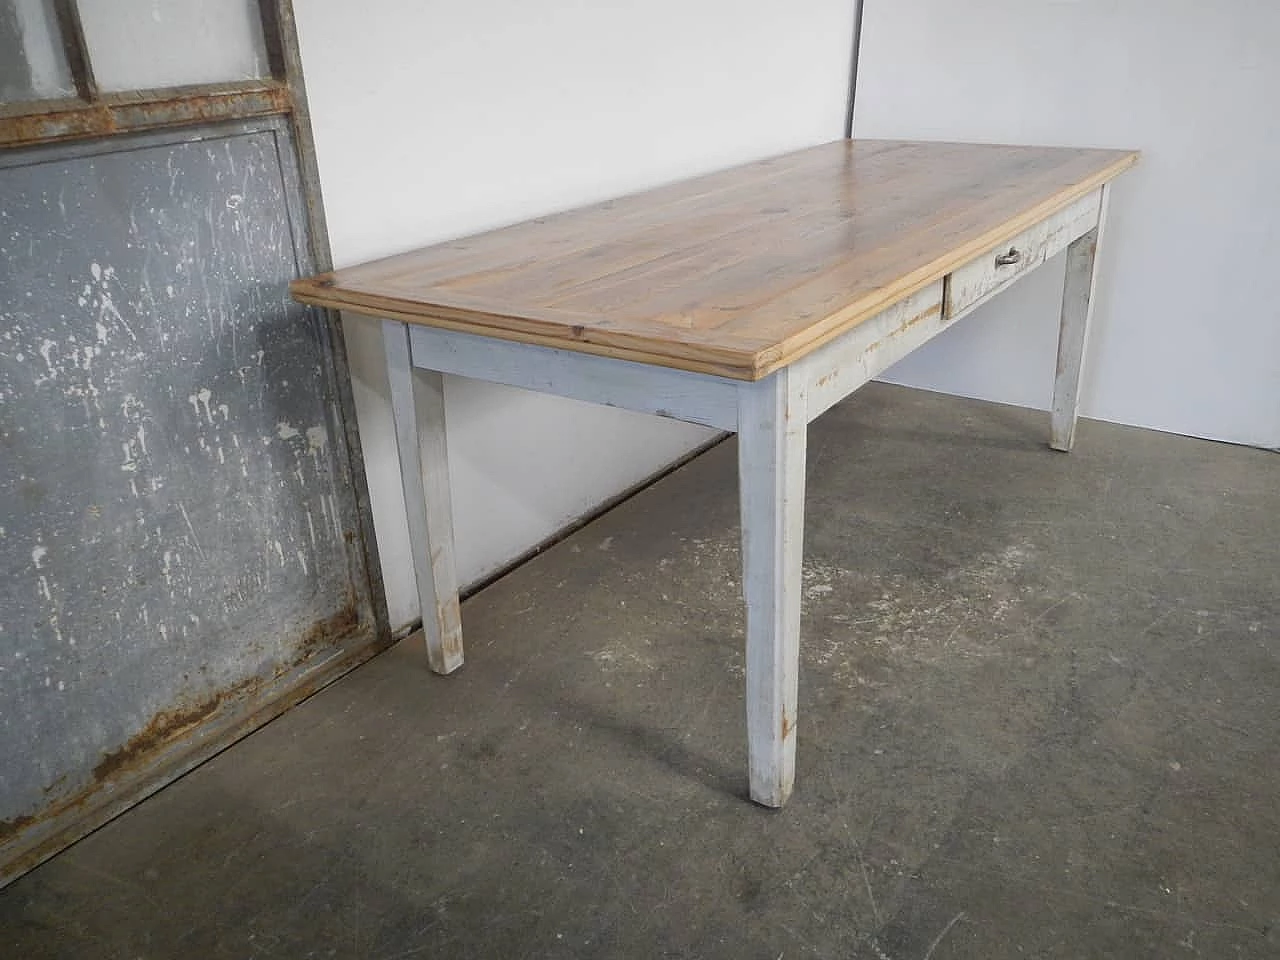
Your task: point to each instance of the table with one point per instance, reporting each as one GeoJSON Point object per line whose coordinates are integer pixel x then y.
{"type": "Point", "coordinates": [750, 300]}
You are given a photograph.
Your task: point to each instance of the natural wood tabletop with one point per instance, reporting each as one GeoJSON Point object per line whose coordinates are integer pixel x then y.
{"type": "Point", "coordinates": [735, 273]}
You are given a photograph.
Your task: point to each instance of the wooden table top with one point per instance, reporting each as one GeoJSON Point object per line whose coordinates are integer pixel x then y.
{"type": "Point", "coordinates": [735, 273]}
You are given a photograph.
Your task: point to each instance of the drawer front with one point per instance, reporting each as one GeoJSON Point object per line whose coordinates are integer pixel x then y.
{"type": "Point", "coordinates": [984, 277]}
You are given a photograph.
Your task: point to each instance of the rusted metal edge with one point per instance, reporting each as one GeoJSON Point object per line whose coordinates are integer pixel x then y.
{"type": "Point", "coordinates": [183, 737]}
{"type": "Point", "coordinates": [61, 120]}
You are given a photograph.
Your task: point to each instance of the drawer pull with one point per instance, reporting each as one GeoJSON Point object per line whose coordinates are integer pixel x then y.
{"type": "Point", "coordinates": [1008, 259]}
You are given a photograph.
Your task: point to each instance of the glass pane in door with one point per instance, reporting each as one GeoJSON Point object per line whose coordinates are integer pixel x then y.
{"type": "Point", "coordinates": [32, 63]}
{"type": "Point", "coordinates": [146, 44]}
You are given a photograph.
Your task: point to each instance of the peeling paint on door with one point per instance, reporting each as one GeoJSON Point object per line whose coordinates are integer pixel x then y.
{"type": "Point", "coordinates": [168, 434]}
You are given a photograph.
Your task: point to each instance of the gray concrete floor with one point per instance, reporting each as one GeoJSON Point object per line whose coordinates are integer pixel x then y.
{"type": "Point", "coordinates": [1039, 716]}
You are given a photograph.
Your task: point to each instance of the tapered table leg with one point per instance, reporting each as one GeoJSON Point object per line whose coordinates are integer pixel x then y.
{"type": "Point", "coordinates": [1073, 335]}
{"type": "Point", "coordinates": [771, 457]}
{"type": "Point", "coordinates": [417, 404]}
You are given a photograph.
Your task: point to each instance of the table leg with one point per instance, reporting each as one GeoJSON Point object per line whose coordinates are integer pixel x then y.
{"type": "Point", "coordinates": [771, 456]}
{"type": "Point", "coordinates": [417, 404]}
{"type": "Point", "coordinates": [1073, 335]}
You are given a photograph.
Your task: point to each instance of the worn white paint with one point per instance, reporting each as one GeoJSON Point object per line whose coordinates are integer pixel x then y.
{"type": "Point", "coordinates": [677, 394]}
{"type": "Point", "coordinates": [1073, 336]}
{"type": "Point", "coordinates": [977, 282]}
{"type": "Point", "coordinates": [417, 402]}
{"type": "Point", "coordinates": [1185, 335]}
{"type": "Point", "coordinates": [772, 428]}
{"type": "Point", "coordinates": [437, 119]}
{"type": "Point", "coordinates": [839, 367]}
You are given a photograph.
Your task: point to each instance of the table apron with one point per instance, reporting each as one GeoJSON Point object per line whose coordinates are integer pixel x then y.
{"type": "Point", "coordinates": [840, 366]}
{"type": "Point", "coordinates": [663, 391]}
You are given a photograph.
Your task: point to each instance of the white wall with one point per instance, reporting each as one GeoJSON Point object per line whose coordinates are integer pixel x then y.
{"type": "Point", "coordinates": [437, 119]}
{"type": "Point", "coordinates": [1187, 323]}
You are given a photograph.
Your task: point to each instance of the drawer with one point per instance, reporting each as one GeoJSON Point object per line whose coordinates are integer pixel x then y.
{"type": "Point", "coordinates": [984, 277]}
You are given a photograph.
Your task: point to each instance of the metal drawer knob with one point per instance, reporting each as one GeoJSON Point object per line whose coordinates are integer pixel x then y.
{"type": "Point", "coordinates": [1008, 259]}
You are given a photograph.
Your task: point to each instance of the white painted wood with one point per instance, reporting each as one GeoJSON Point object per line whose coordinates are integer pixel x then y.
{"type": "Point", "coordinates": [839, 367]}
{"type": "Point", "coordinates": [1073, 335]}
{"type": "Point", "coordinates": [676, 394]}
{"type": "Point", "coordinates": [982, 278]}
{"type": "Point", "coordinates": [771, 461]}
{"type": "Point", "coordinates": [417, 403]}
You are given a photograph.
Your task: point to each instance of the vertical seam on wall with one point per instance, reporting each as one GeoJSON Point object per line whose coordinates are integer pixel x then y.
{"type": "Point", "coordinates": [853, 69]}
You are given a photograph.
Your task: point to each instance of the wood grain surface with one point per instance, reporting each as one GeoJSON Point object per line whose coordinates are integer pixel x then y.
{"type": "Point", "coordinates": [735, 273]}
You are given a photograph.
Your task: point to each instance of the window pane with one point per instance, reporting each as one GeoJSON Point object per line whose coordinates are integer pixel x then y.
{"type": "Point", "coordinates": [143, 44]}
{"type": "Point", "coordinates": [32, 64]}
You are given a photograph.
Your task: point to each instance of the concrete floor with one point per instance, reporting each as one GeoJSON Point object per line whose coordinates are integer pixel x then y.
{"type": "Point", "coordinates": [1039, 716]}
